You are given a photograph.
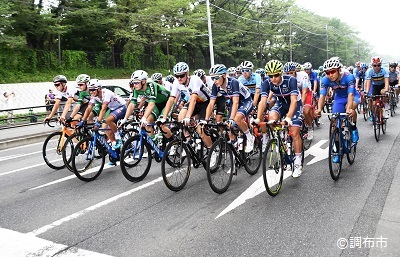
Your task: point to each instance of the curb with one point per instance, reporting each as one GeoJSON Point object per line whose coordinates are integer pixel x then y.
{"type": "Point", "coordinates": [14, 142]}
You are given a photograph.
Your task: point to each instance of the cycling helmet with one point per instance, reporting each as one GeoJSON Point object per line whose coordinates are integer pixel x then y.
{"type": "Point", "coordinates": [82, 78]}
{"type": "Point", "coordinates": [181, 67]}
{"type": "Point", "coordinates": [364, 65]}
{"type": "Point", "coordinates": [320, 68]}
{"type": "Point", "coordinates": [260, 71]}
{"type": "Point", "coordinates": [199, 73]}
{"type": "Point", "coordinates": [218, 69]}
{"type": "Point", "coordinates": [231, 70]}
{"type": "Point", "coordinates": [139, 75]}
{"type": "Point", "coordinates": [298, 66]}
{"type": "Point", "coordinates": [247, 65]}
{"type": "Point", "coordinates": [289, 66]}
{"type": "Point", "coordinates": [332, 63]}
{"type": "Point", "coordinates": [60, 78]}
{"type": "Point", "coordinates": [307, 66]}
{"type": "Point", "coordinates": [94, 84]}
{"type": "Point", "coordinates": [357, 64]}
{"type": "Point", "coordinates": [392, 64]}
{"type": "Point", "coordinates": [273, 67]}
{"type": "Point", "coordinates": [156, 76]}
{"type": "Point", "coordinates": [170, 78]}
{"type": "Point", "coordinates": [376, 60]}
{"type": "Point", "coordinates": [350, 68]}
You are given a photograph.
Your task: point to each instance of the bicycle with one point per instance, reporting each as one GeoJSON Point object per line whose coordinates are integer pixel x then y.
{"type": "Point", "coordinates": [340, 144]}
{"type": "Point", "coordinates": [279, 155]}
{"type": "Point", "coordinates": [392, 101]}
{"type": "Point", "coordinates": [182, 151]}
{"type": "Point", "coordinates": [379, 122]}
{"type": "Point", "coordinates": [220, 163]}
{"type": "Point", "coordinates": [53, 145]}
{"type": "Point", "coordinates": [139, 147]}
{"type": "Point", "coordinates": [88, 157]}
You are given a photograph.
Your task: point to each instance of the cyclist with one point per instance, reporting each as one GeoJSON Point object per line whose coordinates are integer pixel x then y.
{"type": "Point", "coordinates": [377, 82]}
{"type": "Point", "coordinates": [357, 67]}
{"type": "Point", "coordinates": [312, 75]}
{"type": "Point", "coordinates": [287, 104]}
{"type": "Point", "coordinates": [346, 97]}
{"type": "Point", "coordinates": [251, 80]}
{"type": "Point", "coordinates": [238, 72]}
{"type": "Point", "coordinates": [304, 86]}
{"type": "Point", "coordinates": [84, 97]}
{"type": "Point", "coordinates": [394, 77]}
{"type": "Point", "coordinates": [197, 94]}
{"type": "Point", "coordinates": [351, 69]}
{"type": "Point", "coordinates": [231, 72]}
{"type": "Point", "coordinates": [261, 71]}
{"type": "Point", "coordinates": [108, 99]}
{"type": "Point", "coordinates": [240, 101]}
{"type": "Point", "coordinates": [170, 79]}
{"type": "Point", "coordinates": [158, 78]}
{"type": "Point", "coordinates": [360, 75]}
{"type": "Point", "coordinates": [154, 94]}
{"type": "Point", "coordinates": [62, 91]}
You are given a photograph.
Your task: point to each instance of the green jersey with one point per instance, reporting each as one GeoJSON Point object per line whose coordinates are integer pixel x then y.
{"type": "Point", "coordinates": [84, 97]}
{"type": "Point", "coordinates": [153, 93]}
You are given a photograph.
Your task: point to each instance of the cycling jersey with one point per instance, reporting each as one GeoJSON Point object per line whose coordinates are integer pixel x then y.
{"type": "Point", "coordinates": [377, 79]}
{"type": "Point", "coordinates": [252, 83]}
{"type": "Point", "coordinates": [70, 92]}
{"type": "Point", "coordinates": [233, 88]}
{"type": "Point", "coordinates": [84, 97]}
{"type": "Point", "coordinates": [303, 81]}
{"type": "Point", "coordinates": [195, 86]}
{"type": "Point", "coordinates": [113, 100]}
{"type": "Point", "coordinates": [153, 93]}
{"type": "Point", "coordinates": [393, 78]}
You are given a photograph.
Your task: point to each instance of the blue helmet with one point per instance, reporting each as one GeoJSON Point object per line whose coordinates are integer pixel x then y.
{"type": "Point", "coordinates": [289, 66]}
{"type": "Point", "coordinates": [364, 65]}
{"type": "Point", "coordinates": [260, 71]}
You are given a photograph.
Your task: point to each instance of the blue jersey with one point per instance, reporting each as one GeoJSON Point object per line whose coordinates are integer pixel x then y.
{"type": "Point", "coordinates": [252, 83]}
{"type": "Point", "coordinates": [287, 88]}
{"type": "Point", "coordinates": [346, 85]}
{"type": "Point", "coordinates": [377, 78]}
{"type": "Point", "coordinates": [393, 78]}
{"type": "Point", "coordinates": [233, 88]}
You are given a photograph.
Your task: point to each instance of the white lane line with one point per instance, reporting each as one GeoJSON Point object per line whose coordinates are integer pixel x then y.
{"type": "Point", "coordinates": [19, 147]}
{"type": "Point", "coordinates": [26, 168]}
{"type": "Point", "coordinates": [255, 189]}
{"type": "Point", "coordinates": [92, 208]}
{"type": "Point", "coordinates": [5, 158]}
{"type": "Point", "coordinates": [13, 243]}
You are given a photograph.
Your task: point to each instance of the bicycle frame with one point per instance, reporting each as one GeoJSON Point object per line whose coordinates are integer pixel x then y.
{"type": "Point", "coordinates": [143, 135]}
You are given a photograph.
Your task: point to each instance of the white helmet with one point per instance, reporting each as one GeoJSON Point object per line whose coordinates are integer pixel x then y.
{"type": "Point", "coordinates": [332, 63]}
{"type": "Point", "coordinates": [139, 75]}
{"type": "Point", "coordinates": [181, 67]}
{"type": "Point", "coordinates": [307, 66]}
{"type": "Point", "coordinates": [156, 76]}
{"type": "Point", "coordinates": [82, 78]}
{"type": "Point", "coordinates": [247, 65]}
{"type": "Point", "coordinates": [94, 84]}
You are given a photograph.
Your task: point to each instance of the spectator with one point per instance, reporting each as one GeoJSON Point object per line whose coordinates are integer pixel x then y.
{"type": "Point", "coordinates": [49, 100]}
{"type": "Point", "coordinates": [10, 105]}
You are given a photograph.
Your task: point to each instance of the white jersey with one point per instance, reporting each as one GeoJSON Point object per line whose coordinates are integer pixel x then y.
{"type": "Point", "coordinates": [167, 85]}
{"type": "Point", "coordinates": [195, 86]}
{"type": "Point", "coordinates": [112, 99]}
{"type": "Point", "coordinates": [71, 92]}
{"type": "Point", "coordinates": [303, 81]}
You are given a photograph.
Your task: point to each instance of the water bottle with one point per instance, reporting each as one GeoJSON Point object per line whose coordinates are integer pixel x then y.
{"type": "Point", "coordinates": [198, 143]}
{"type": "Point", "coordinates": [240, 143]}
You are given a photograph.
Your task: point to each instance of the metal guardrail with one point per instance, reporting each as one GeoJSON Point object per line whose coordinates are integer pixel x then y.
{"type": "Point", "coordinates": [29, 118]}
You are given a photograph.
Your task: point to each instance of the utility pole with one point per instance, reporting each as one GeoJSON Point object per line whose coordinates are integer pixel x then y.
{"type": "Point", "coordinates": [327, 44]}
{"type": "Point", "coordinates": [210, 40]}
{"type": "Point", "coordinates": [290, 40]}
{"type": "Point", "coordinates": [259, 41]}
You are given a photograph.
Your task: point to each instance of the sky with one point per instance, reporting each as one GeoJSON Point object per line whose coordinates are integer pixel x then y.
{"type": "Point", "coordinates": [377, 21]}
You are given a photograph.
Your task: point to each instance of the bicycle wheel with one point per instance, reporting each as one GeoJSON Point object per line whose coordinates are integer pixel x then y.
{"type": "Point", "coordinates": [52, 149]}
{"type": "Point", "coordinates": [272, 166]}
{"type": "Point", "coordinates": [68, 149]}
{"type": "Point", "coordinates": [220, 166]}
{"type": "Point", "coordinates": [88, 159]}
{"type": "Point", "coordinates": [335, 155]}
{"type": "Point", "coordinates": [175, 177]}
{"type": "Point", "coordinates": [135, 159]}
{"type": "Point", "coordinates": [304, 135]}
{"type": "Point", "coordinates": [351, 155]}
{"type": "Point", "coordinates": [366, 111]}
{"type": "Point", "coordinates": [383, 125]}
{"type": "Point", "coordinates": [252, 160]}
{"type": "Point", "coordinates": [377, 125]}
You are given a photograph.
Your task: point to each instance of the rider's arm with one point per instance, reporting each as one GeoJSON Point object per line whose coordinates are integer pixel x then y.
{"type": "Point", "coordinates": [102, 111]}
{"type": "Point", "coordinates": [234, 107]}
{"type": "Point", "coordinates": [367, 85]}
{"type": "Point", "coordinates": [261, 107]}
{"type": "Point", "coordinates": [387, 84]}
{"type": "Point", "coordinates": [192, 104]}
{"type": "Point", "coordinates": [66, 107]}
{"type": "Point", "coordinates": [149, 109]}
{"type": "Point", "coordinates": [55, 108]}
{"type": "Point", "coordinates": [292, 107]}
{"type": "Point", "coordinates": [210, 108]}
{"type": "Point", "coordinates": [256, 96]}
{"type": "Point", "coordinates": [129, 110]}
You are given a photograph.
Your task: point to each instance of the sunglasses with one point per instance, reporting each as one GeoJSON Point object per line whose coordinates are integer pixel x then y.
{"type": "Point", "coordinates": [135, 82]}
{"type": "Point", "coordinates": [79, 85]}
{"type": "Point", "coordinates": [376, 65]}
{"type": "Point", "coordinates": [330, 72]}
{"type": "Point", "coordinates": [274, 75]}
{"type": "Point", "coordinates": [93, 89]}
{"type": "Point", "coordinates": [180, 76]}
{"type": "Point", "coordinates": [292, 72]}
{"type": "Point", "coordinates": [57, 84]}
{"type": "Point", "coordinates": [246, 70]}
{"type": "Point", "coordinates": [215, 77]}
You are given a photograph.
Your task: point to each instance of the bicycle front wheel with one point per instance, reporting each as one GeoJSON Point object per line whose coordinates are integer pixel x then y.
{"type": "Point", "coordinates": [135, 159]}
{"type": "Point", "coordinates": [68, 149]}
{"type": "Point", "coordinates": [220, 166]}
{"type": "Point", "coordinates": [352, 152]}
{"type": "Point", "coordinates": [88, 159]}
{"type": "Point", "coordinates": [177, 175]}
{"type": "Point", "coordinates": [335, 154]}
{"type": "Point", "coordinates": [52, 150]}
{"type": "Point", "coordinates": [272, 166]}
{"type": "Point", "coordinates": [377, 125]}
{"type": "Point", "coordinates": [252, 160]}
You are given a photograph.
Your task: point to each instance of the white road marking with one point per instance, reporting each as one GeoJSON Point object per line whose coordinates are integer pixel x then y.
{"type": "Point", "coordinates": [258, 186]}
{"type": "Point", "coordinates": [13, 243]}
{"type": "Point", "coordinates": [92, 208]}
{"type": "Point", "coordinates": [25, 168]}
{"type": "Point", "coordinates": [19, 147]}
{"type": "Point", "coordinates": [9, 157]}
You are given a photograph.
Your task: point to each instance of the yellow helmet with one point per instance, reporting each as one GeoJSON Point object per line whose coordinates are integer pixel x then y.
{"type": "Point", "coordinates": [273, 67]}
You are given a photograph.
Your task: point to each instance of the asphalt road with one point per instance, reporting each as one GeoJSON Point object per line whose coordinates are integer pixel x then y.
{"type": "Point", "coordinates": [115, 217]}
